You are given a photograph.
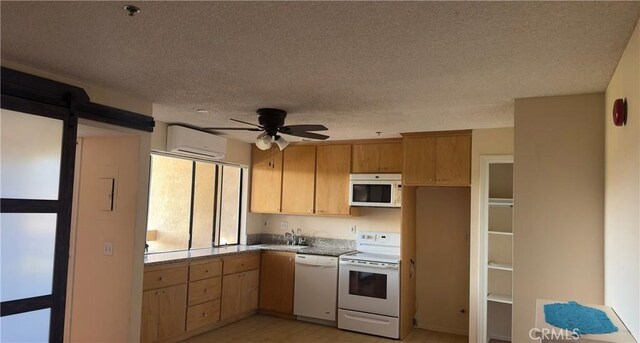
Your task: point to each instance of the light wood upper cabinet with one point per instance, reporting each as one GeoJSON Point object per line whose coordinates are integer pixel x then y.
{"type": "Point", "coordinates": [419, 160]}
{"type": "Point", "coordinates": [437, 159]}
{"type": "Point", "coordinates": [298, 179]}
{"type": "Point", "coordinates": [366, 158]}
{"type": "Point", "coordinates": [453, 160]}
{"type": "Point", "coordinates": [390, 157]}
{"type": "Point", "coordinates": [377, 158]}
{"type": "Point", "coordinates": [332, 179]}
{"type": "Point", "coordinates": [266, 179]}
{"type": "Point", "coordinates": [277, 282]}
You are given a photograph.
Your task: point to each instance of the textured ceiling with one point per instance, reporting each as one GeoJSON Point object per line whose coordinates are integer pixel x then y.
{"type": "Point", "coordinates": [356, 67]}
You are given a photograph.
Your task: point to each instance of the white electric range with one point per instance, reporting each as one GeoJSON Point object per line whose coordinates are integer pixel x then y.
{"type": "Point", "coordinates": [369, 286]}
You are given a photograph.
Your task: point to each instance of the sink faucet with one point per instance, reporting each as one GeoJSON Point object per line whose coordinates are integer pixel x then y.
{"type": "Point", "coordinates": [290, 237]}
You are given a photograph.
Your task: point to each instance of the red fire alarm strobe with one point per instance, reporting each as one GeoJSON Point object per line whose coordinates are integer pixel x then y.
{"type": "Point", "coordinates": [620, 112]}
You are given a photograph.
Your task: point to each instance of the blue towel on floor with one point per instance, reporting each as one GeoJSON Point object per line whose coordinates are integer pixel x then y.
{"type": "Point", "coordinates": [585, 320]}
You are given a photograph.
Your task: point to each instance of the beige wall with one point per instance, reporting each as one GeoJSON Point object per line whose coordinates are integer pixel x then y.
{"type": "Point", "coordinates": [442, 260]}
{"type": "Point", "coordinates": [370, 219]}
{"type": "Point", "coordinates": [559, 204]}
{"type": "Point", "coordinates": [484, 142]}
{"type": "Point", "coordinates": [101, 285]}
{"type": "Point", "coordinates": [622, 191]}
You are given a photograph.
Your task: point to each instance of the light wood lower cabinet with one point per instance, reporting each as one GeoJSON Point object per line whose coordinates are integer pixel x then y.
{"type": "Point", "coordinates": [203, 314]}
{"type": "Point", "coordinates": [239, 293]}
{"type": "Point", "coordinates": [163, 313]}
{"type": "Point", "coordinates": [277, 282]}
{"type": "Point", "coordinates": [182, 299]}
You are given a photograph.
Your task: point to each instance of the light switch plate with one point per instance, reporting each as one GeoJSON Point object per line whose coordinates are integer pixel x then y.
{"type": "Point", "coordinates": [108, 248]}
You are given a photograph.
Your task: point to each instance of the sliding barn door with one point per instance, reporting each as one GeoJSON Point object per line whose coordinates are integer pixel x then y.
{"type": "Point", "coordinates": [37, 152]}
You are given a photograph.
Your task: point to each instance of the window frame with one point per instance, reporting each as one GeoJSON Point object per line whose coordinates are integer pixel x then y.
{"type": "Point", "coordinates": [217, 198]}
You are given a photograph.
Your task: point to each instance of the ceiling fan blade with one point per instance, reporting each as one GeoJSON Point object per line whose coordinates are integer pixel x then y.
{"type": "Point", "coordinates": [305, 134]}
{"type": "Point", "coordinates": [231, 128]}
{"type": "Point", "coordinates": [246, 122]}
{"type": "Point", "coordinates": [294, 128]}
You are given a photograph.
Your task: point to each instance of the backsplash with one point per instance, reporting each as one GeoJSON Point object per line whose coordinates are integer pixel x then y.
{"type": "Point", "coordinates": [270, 238]}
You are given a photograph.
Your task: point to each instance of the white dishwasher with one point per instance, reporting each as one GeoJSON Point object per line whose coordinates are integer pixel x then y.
{"type": "Point", "coordinates": [316, 288]}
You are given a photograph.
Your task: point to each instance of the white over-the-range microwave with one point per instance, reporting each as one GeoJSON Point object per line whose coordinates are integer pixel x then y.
{"type": "Point", "coordinates": [375, 190]}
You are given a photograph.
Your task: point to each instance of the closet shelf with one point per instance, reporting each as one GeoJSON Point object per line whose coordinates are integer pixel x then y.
{"type": "Point", "coordinates": [501, 202]}
{"type": "Point", "coordinates": [500, 298]}
{"type": "Point", "coordinates": [501, 233]}
{"type": "Point", "coordinates": [500, 266]}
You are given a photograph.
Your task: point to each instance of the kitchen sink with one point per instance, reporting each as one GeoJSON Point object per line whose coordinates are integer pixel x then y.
{"type": "Point", "coordinates": [284, 247]}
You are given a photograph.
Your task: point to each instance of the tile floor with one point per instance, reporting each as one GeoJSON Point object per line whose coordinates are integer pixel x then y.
{"type": "Point", "coordinates": [260, 328]}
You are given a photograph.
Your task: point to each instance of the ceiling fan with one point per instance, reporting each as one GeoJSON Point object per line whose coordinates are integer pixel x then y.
{"type": "Point", "coordinates": [271, 122]}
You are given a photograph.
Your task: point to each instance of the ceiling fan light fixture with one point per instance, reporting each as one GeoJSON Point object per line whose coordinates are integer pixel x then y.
{"type": "Point", "coordinates": [263, 142]}
{"type": "Point", "coordinates": [282, 143]}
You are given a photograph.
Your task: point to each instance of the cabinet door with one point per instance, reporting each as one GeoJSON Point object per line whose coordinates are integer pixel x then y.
{"type": "Point", "coordinates": [333, 165]}
{"type": "Point", "coordinates": [266, 179]}
{"type": "Point", "coordinates": [250, 289]}
{"type": "Point", "coordinates": [231, 292]}
{"type": "Point", "coordinates": [390, 157]}
{"type": "Point", "coordinates": [453, 160]}
{"type": "Point", "coordinates": [173, 311]}
{"type": "Point", "coordinates": [277, 282]}
{"type": "Point", "coordinates": [366, 158]}
{"type": "Point", "coordinates": [150, 312]}
{"type": "Point", "coordinates": [298, 179]}
{"type": "Point", "coordinates": [419, 160]}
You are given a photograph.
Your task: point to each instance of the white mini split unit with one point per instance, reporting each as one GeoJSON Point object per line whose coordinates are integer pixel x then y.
{"type": "Point", "coordinates": [197, 144]}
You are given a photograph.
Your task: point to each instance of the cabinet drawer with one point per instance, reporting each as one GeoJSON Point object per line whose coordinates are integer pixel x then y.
{"type": "Point", "coordinates": [236, 264]}
{"type": "Point", "coordinates": [203, 270]}
{"type": "Point", "coordinates": [204, 290]}
{"type": "Point", "coordinates": [203, 314]}
{"type": "Point", "coordinates": [165, 277]}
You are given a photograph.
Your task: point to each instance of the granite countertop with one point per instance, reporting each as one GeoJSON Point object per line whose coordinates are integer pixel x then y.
{"type": "Point", "coordinates": [190, 255]}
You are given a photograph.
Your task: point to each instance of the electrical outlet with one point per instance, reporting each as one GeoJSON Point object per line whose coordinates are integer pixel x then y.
{"type": "Point", "coordinates": [284, 225]}
{"type": "Point", "coordinates": [108, 248]}
{"type": "Point", "coordinates": [354, 229]}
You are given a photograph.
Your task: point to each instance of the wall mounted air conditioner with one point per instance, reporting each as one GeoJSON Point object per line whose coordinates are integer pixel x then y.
{"type": "Point", "coordinates": [193, 143]}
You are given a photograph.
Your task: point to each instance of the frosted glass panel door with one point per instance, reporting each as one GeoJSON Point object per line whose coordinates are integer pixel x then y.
{"type": "Point", "coordinates": [27, 243]}
{"type": "Point", "coordinates": [30, 152]}
{"type": "Point", "coordinates": [31, 160]}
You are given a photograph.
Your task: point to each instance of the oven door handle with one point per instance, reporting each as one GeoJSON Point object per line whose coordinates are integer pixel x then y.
{"type": "Point", "coordinates": [365, 319]}
{"type": "Point", "coordinates": [371, 266]}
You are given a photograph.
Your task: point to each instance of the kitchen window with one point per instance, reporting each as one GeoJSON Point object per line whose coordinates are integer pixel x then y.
{"type": "Point", "coordinates": [192, 204]}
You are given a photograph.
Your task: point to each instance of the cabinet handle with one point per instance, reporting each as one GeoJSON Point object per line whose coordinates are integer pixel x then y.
{"type": "Point", "coordinates": [205, 315]}
{"type": "Point", "coordinates": [206, 270]}
{"type": "Point", "coordinates": [161, 278]}
{"type": "Point", "coordinates": [206, 290]}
